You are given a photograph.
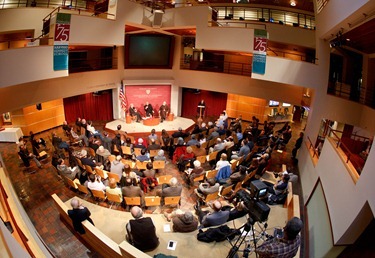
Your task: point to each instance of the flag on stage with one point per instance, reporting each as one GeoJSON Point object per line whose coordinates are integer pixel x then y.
{"type": "Point", "coordinates": [122, 98]}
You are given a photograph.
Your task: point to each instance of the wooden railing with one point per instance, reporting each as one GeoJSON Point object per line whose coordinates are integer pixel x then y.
{"type": "Point", "coordinates": [312, 147]}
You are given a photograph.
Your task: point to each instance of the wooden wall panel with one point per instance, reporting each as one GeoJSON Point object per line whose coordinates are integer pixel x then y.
{"type": "Point", "coordinates": [247, 107]}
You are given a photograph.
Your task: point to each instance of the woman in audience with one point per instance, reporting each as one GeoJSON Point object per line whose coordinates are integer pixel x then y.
{"type": "Point", "coordinates": [95, 183]}
{"type": "Point", "coordinates": [160, 156]}
{"type": "Point", "coordinates": [184, 159]}
{"type": "Point", "coordinates": [113, 189]}
{"type": "Point", "coordinates": [196, 172]}
{"type": "Point", "coordinates": [179, 150]}
{"type": "Point", "coordinates": [128, 173]}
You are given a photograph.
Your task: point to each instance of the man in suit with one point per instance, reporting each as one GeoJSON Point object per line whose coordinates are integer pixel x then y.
{"type": "Point", "coordinates": [163, 111]}
{"type": "Point", "coordinates": [148, 109]}
{"type": "Point", "coordinates": [171, 189]}
{"type": "Point", "coordinates": [134, 113]}
{"type": "Point", "coordinates": [79, 214]}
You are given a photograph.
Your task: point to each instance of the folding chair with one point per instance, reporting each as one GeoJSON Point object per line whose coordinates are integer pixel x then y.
{"type": "Point", "coordinates": [141, 164]}
{"type": "Point", "coordinates": [112, 157]}
{"type": "Point", "coordinates": [102, 173]}
{"type": "Point", "coordinates": [202, 159]}
{"type": "Point", "coordinates": [152, 201]}
{"type": "Point", "coordinates": [226, 190]}
{"type": "Point", "coordinates": [131, 201]}
{"type": "Point", "coordinates": [89, 169]}
{"type": "Point", "coordinates": [153, 153]}
{"type": "Point", "coordinates": [158, 164]}
{"type": "Point", "coordinates": [172, 200]}
{"type": "Point", "coordinates": [211, 173]}
{"type": "Point", "coordinates": [137, 151]}
{"type": "Point", "coordinates": [164, 179]}
{"type": "Point", "coordinates": [98, 195]}
{"type": "Point", "coordinates": [83, 189]}
{"type": "Point", "coordinates": [126, 150]}
{"type": "Point", "coordinates": [113, 198]}
{"type": "Point", "coordinates": [113, 175]}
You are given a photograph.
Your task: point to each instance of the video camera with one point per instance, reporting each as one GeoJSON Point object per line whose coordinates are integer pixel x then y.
{"type": "Point", "coordinates": [258, 210]}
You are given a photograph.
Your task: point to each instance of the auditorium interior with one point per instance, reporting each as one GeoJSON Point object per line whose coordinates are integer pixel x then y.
{"type": "Point", "coordinates": [306, 62]}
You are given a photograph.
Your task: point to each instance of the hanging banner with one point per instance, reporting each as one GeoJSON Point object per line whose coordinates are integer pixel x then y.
{"type": "Point", "coordinates": [61, 42]}
{"type": "Point", "coordinates": [260, 51]}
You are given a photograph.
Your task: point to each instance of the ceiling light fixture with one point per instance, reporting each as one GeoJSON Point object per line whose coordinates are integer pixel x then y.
{"type": "Point", "coordinates": [293, 3]}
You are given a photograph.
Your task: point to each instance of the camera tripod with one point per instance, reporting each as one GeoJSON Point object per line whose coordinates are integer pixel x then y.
{"type": "Point", "coordinates": [248, 230]}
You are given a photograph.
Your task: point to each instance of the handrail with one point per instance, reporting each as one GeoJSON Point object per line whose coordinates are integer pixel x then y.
{"type": "Point", "coordinates": [313, 148]}
{"type": "Point", "coordinates": [22, 236]}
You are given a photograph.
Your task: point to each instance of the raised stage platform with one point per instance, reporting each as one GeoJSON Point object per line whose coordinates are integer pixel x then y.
{"type": "Point", "coordinates": [139, 128]}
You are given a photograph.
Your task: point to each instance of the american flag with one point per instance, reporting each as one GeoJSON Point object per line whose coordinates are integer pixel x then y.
{"type": "Point", "coordinates": [122, 97]}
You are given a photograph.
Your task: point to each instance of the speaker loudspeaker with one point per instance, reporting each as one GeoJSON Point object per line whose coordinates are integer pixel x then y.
{"type": "Point", "coordinates": [39, 106]}
{"type": "Point", "coordinates": [158, 19]}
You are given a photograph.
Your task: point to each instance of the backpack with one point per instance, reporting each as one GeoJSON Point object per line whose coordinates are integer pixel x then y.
{"type": "Point", "coordinates": [277, 199]}
{"type": "Point", "coordinates": [217, 234]}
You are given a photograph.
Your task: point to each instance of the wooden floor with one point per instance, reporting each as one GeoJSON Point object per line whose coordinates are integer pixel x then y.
{"type": "Point", "coordinates": [35, 190]}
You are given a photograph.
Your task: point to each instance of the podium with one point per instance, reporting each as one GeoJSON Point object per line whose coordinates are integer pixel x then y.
{"type": "Point", "coordinates": [201, 110]}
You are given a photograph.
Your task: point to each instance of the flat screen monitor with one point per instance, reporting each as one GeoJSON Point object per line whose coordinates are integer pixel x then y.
{"type": "Point", "coordinates": [149, 51]}
{"type": "Point", "coordinates": [273, 103]}
{"type": "Point", "coordinates": [286, 105]}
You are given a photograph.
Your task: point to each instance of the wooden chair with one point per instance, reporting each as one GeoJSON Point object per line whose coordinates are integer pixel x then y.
{"type": "Point", "coordinates": [211, 197]}
{"type": "Point", "coordinates": [80, 165]}
{"type": "Point", "coordinates": [132, 139]}
{"type": "Point", "coordinates": [112, 158]}
{"type": "Point", "coordinates": [70, 182]}
{"type": "Point", "coordinates": [98, 195]}
{"type": "Point", "coordinates": [141, 164]}
{"type": "Point", "coordinates": [212, 156]}
{"type": "Point", "coordinates": [132, 201]}
{"type": "Point", "coordinates": [129, 162]}
{"type": "Point", "coordinates": [238, 186]}
{"type": "Point", "coordinates": [226, 190]}
{"type": "Point", "coordinates": [199, 178]}
{"type": "Point", "coordinates": [113, 175]}
{"type": "Point", "coordinates": [113, 198]}
{"type": "Point", "coordinates": [126, 150]}
{"type": "Point", "coordinates": [233, 165]}
{"type": "Point", "coordinates": [83, 189]}
{"type": "Point", "coordinates": [164, 179]}
{"type": "Point", "coordinates": [194, 148]}
{"type": "Point", "coordinates": [102, 173]}
{"type": "Point", "coordinates": [211, 173]}
{"type": "Point", "coordinates": [249, 176]}
{"type": "Point", "coordinates": [172, 200]}
{"type": "Point", "coordinates": [202, 159]}
{"type": "Point", "coordinates": [212, 142]}
{"type": "Point", "coordinates": [152, 201]}
{"type": "Point", "coordinates": [158, 164]}
{"type": "Point", "coordinates": [89, 169]}
{"type": "Point", "coordinates": [91, 152]}
{"type": "Point", "coordinates": [153, 153]}
{"type": "Point", "coordinates": [204, 145]}
{"type": "Point", "coordinates": [137, 151]}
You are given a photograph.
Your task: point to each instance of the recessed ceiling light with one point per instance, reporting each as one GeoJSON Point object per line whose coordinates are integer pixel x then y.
{"type": "Point", "coordinates": [293, 3]}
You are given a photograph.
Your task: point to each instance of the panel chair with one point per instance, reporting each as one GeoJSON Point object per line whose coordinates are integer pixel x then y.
{"type": "Point", "coordinates": [131, 201]}
{"type": "Point", "coordinates": [102, 173]}
{"type": "Point", "coordinates": [164, 179]}
{"type": "Point", "coordinates": [114, 198]}
{"type": "Point", "coordinates": [152, 201]}
{"type": "Point", "coordinates": [158, 164]}
{"type": "Point", "coordinates": [211, 173]}
{"type": "Point", "coordinates": [172, 200]}
{"type": "Point", "coordinates": [83, 189]}
{"type": "Point", "coordinates": [113, 175]}
{"type": "Point", "coordinates": [98, 195]}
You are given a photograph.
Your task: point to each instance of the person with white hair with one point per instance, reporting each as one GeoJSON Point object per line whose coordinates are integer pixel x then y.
{"type": "Point", "coordinates": [196, 172]}
{"type": "Point", "coordinates": [163, 111]}
{"type": "Point", "coordinates": [102, 154]}
{"type": "Point", "coordinates": [78, 214]}
{"type": "Point", "coordinates": [141, 231]}
{"type": "Point", "coordinates": [134, 113]}
{"type": "Point", "coordinates": [215, 218]}
{"type": "Point", "coordinates": [182, 221]}
{"type": "Point", "coordinates": [160, 156]}
{"type": "Point", "coordinates": [171, 189]}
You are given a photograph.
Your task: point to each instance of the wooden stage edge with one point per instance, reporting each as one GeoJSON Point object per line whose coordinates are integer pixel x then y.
{"type": "Point", "coordinates": [141, 130]}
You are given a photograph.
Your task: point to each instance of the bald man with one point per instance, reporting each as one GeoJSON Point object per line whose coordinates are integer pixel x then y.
{"type": "Point", "coordinates": [79, 214]}
{"type": "Point", "coordinates": [215, 218]}
{"type": "Point", "coordinates": [141, 231]}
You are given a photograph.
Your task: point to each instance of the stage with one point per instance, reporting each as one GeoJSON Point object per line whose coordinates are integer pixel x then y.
{"type": "Point", "coordinates": [138, 129]}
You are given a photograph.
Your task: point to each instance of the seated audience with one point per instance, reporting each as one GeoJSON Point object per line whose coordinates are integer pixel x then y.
{"type": "Point", "coordinates": [284, 246]}
{"type": "Point", "coordinates": [236, 177]}
{"type": "Point", "coordinates": [280, 187]}
{"type": "Point", "coordinates": [153, 145]}
{"type": "Point", "coordinates": [192, 141]}
{"type": "Point", "coordinates": [26, 156]}
{"type": "Point", "coordinates": [79, 214]}
{"type": "Point", "coordinates": [152, 136]}
{"type": "Point", "coordinates": [117, 166]}
{"type": "Point", "coordinates": [87, 161]}
{"type": "Point", "coordinates": [69, 172]}
{"type": "Point", "coordinates": [141, 231]}
{"type": "Point", "coordinates": [199, 151]}
{"type": "Point", "coordinates": [128, 173]}
{"type": "Point", "coordinates": [215, 218]}
{"type": "Point", "coordinates": [171, 189]}
{"type": "Point", "coordinates": [160, 156]}
{"type": "Point", "coordinates": [77, 137]}
{"type": "Point", "coordinates": [223, 162]}
{"type": "Point", "coordinates": [102, 154]}
{"type": "Point", "coordinates": [144, 156]}
{"type": "Point", "coordinates": [243, 152]}
{"type": "Point", "coordinates": [186, 158]}
{"type": "Point", "coordinates": [195, 172]}
{"type": "Point", "coordinates": [180, 133]}
{"type": "Point", "coordinates": [132, 190]}
{"type": "Point", "coordinates": [205, 188]}
{"type": "Point", "coordinates": [182, 221]}
{"type": "Point", "coordinates": [95, 183]}
{"type": "Point", "coordinates": [220, 145]}
{"type": "Point", "coordinates": [58, 143]}
{"type": "Point", "coordinates": [113, 189]}
{"type": "Point", "coordinates": [179, 150]}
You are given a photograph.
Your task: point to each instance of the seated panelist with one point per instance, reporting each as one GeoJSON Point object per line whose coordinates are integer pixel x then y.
{"type": "Point", "coordinates": [148, 109]}
{"type": "Point", "coordinates": [134, 113]}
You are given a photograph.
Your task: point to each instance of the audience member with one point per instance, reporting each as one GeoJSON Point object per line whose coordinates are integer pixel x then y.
{"type": "Point", "coordinates": [78, 214]}
{"type": "Point", "coordinates": [195, 172]}
{"type": "Point", "coordinates": [223, 162]}
{"type": "Point", "coordinates": [117, 166]}
{"type": "Point", "coordinates": [215, 218]}
{"type": "Point", "coordinates": [69, 172]}
{"type": "Point", "coordinates": [95, 183]}
{"type": "Point", "coordinates": [132, 190]}
{"type": "Point", "coordinates": [141, 231]}
{"type": "Point", "coordinates": [283, 246]}
{"type": "Point", "coordinates": [113, 189]}
{"type": "Point", "coordinates": [182, 221]}
{"type": "Point", "coordinates": [192, 141]}
{"type": "Point", "coordinates": [160, 156]}
{"type": "Point", "coordinates": [171, 189]}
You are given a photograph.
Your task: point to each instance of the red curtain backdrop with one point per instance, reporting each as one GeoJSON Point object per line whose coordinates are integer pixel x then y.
{"type": "Point", "coordinates": [97, 107]}
{"type": "Point", "coordinates": [216, 102]}
{"type": "Point", "coordinates": [154, 94]}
